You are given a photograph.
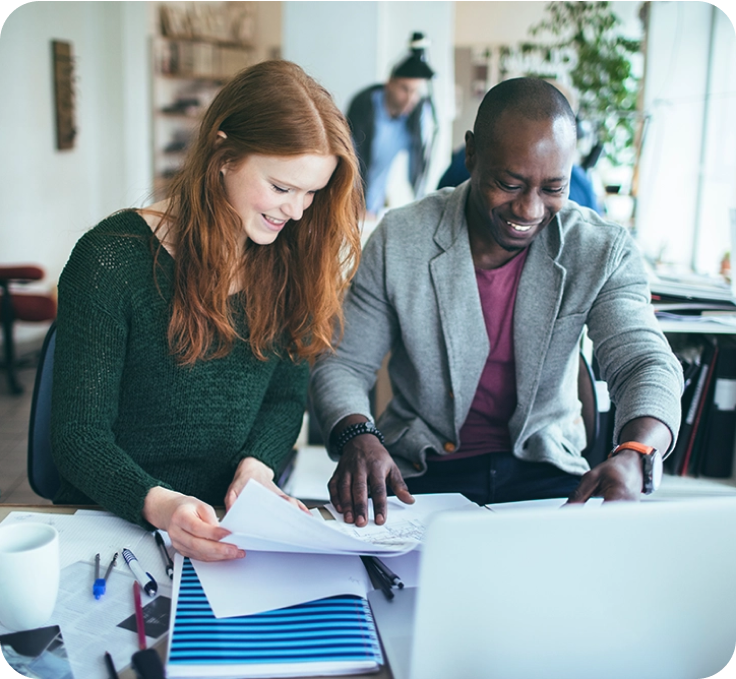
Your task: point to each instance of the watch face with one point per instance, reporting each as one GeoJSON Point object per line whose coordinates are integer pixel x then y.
{"type": "Point", "coordinates": [657, 469]}
{"type": "Point", "coordinates": [653, 468]}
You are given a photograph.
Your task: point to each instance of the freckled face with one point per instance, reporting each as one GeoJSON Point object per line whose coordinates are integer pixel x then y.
{"type": "Point", "coordinates": [520, 182]}
{"type": "Point", "coordinates": [269, 191]}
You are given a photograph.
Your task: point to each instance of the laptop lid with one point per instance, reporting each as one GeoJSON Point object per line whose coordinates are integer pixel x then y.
{"type": "Point", "coordinates": [625, 590]}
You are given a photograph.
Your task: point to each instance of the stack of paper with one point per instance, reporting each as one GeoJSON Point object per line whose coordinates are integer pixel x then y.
{"type": "Point", "coordinates": [296, 605]}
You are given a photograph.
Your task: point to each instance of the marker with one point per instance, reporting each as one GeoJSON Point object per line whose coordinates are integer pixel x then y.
{"type": "Point", "coordinates": [168, 563]}
{"type": "Point", "coordinates": [111, 666]}
{"type": "Point", "coordinates": [145, 579]}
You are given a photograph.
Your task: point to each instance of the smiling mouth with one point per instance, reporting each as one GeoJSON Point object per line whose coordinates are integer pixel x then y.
{"type": "Point", "coordinates": [520, 228]}
{"type": "Point", "coordinates": [274, 223]}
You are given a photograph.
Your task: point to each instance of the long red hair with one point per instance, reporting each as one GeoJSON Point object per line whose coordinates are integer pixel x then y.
{"type": "Point", "coordinates": [293, 288]}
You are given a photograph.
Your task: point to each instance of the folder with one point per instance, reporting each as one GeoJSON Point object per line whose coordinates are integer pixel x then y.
{"type": "Point", "coordinates": [696, 369]}
{"type": "Point", "coordinates": [718, 445]}
{"type": "Point", "coordinates": [335, 635]}
{"type": "Point", "coordinates": [691, 370]}
{"type": "Point", "coordinates": [698, 405]}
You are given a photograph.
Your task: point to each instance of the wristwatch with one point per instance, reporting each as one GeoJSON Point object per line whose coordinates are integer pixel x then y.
{"type": "Point", "coordinates": [651, 461]}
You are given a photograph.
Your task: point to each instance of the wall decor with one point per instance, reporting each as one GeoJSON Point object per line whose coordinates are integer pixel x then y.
{"type": "Point", "coordinates": [63, 72]}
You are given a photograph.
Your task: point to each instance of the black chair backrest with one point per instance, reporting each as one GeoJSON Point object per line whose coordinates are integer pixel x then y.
{"type": "Point", "coordinates": [589, 401]}
{"type": "Point", "coordinates": [43, 476]}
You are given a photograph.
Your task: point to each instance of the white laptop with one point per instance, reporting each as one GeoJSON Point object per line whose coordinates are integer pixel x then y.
{"type": "Point", "coordinates": [623, 591]}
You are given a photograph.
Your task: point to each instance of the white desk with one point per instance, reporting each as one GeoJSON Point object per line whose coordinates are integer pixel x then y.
{"type": "Point", "coordinates": [127, 672]}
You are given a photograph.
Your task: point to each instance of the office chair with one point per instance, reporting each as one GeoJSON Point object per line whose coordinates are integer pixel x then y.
{"type": "Point", "coordinates": [43, 476]}
{"type": "Point", "coordinates": [16, 306]}
{"type": "Point", "coordinates": [595, 446]}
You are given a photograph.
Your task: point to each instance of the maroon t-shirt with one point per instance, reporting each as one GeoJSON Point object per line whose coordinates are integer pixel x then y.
{"type": "Point", "coordinates": [486, 427]}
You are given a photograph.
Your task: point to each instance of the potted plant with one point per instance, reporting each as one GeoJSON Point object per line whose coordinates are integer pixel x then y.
{"type": "Point", "coordinates": [584, 41]}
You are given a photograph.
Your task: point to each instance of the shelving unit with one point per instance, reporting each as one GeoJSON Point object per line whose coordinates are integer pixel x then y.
{"type": "Point", "coordinates": [675, 486]}
{"type": "Point", "coordinates": [687, 486]}
{"type": "Point", "coordinates": [200, 46]}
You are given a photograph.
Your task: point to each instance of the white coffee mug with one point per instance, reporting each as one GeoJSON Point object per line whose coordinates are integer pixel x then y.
{"type": "Point", "coordinates": [29, 574]}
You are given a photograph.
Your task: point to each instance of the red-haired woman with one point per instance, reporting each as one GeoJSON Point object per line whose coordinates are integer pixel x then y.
{"type": "Point", "coordinates": [185, 330]}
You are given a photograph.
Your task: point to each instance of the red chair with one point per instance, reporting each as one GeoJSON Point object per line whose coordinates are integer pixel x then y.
{"type": "Point", "coordinates": [21, 306]}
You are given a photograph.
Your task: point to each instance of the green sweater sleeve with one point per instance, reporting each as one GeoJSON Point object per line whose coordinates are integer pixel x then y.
{"type": "Point", "coordinates": [88, 362]}
{"type": "Point", "coordinates": [280, 416]}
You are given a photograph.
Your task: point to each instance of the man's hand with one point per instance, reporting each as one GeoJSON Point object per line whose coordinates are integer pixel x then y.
{"type": "Point", "coordinates": [618, 478]}
{"type": "Point", "coordinates": [364, 469]}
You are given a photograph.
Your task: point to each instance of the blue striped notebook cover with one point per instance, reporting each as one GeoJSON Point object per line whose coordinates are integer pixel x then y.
{"type": "Point", "coordinates": [335, 635]}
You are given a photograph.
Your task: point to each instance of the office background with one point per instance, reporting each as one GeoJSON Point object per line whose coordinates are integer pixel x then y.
{"type": "Point", "coordinates": [49, 198]}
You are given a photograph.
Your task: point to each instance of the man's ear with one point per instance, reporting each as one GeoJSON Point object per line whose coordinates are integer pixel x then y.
{"type": "Point", "coordinates": [470, 156]}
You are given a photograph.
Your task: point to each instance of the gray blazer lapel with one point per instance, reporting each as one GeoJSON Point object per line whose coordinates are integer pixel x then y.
{"type": "Point", "coordinates": [458, 302]}
{"type": "Point", "coordinates": [537, 303]}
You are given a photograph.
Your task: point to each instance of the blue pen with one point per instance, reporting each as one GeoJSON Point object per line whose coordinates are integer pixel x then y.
{"type": "Point", "coordinates": [98, 588]}
{"type": "Point", "coordinates": [145, 580]}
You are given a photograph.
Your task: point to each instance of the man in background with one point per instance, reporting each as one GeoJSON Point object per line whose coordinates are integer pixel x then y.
{"type": "Point", "coordinates": [397, 116]}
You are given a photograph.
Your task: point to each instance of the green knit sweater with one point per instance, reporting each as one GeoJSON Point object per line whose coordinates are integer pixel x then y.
{"type": "Point", "coordinates": [125, 416]}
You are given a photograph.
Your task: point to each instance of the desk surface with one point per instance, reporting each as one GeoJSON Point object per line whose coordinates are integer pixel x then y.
{"type": "Point", "coordinates": [128, 673]}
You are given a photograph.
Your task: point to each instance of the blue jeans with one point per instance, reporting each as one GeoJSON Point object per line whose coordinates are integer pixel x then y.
{"type": "Point", "coordinates": [494, 477]}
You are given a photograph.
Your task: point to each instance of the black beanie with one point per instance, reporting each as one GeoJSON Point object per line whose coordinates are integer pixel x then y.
{"type": "Point", "coordinates": [415, 65]}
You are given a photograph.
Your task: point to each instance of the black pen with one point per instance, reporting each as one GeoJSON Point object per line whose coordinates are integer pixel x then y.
{"type": "Point", "coordinates": [111, 666]}
{"type": "Point", "coordinates": [378, 578]}
{"type": "Point", "coordinates": [395, 579]}
{"type": "Point", "coordinates": [168, 563]}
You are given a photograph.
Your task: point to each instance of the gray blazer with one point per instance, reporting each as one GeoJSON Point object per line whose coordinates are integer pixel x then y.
{"type": "Point", "coordinates": [416, 295]}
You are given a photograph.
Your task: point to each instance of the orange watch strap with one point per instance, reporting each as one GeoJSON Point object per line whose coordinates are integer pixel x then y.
{"type": "Point", "coordinates": [632, 445]}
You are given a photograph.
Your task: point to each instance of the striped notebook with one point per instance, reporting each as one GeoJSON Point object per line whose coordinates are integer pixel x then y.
{"type": "Point", "coordinates": [336, 635]}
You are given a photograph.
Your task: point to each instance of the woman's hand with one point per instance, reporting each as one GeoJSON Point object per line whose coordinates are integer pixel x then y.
{"type": "Point", "coordinates": [191, 524]}
{"type": "Point", "coordinates": [250, 468]}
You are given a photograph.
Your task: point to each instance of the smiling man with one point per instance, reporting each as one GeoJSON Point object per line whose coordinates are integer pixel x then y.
{"type": "Point", "coordinates": [481, 294]}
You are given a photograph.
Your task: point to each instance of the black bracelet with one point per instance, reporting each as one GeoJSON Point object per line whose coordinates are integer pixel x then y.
{"type": "Point", "coordinates": [356, 430]}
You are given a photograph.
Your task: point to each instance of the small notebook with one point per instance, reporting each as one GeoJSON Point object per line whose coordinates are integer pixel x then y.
{"type": "Point", "coordinates": [335, 635]}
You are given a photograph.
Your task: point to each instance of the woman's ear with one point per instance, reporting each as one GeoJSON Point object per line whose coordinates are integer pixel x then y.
{"type": "Point", "coordinates": [220, 137]}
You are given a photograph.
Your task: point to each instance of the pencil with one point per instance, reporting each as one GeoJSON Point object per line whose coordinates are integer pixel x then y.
{"type": "Point", "coordinates": [139, 622]}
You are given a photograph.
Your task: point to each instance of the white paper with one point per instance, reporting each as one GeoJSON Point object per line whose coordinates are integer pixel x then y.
{"type": "Point", "coordinates": [265, 581]}
{"type": "Point", "coordinates": [552, 503]}
{"type": "Point", "coordinates": [404, 523]}
{"type": "Point", "coordinates": [259, 515]}
{"type": "Point", "coordinates": [89, 626]}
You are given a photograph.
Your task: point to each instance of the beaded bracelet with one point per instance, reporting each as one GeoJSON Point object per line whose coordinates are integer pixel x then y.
{"type": "Point", "coordinates": [356, 430]}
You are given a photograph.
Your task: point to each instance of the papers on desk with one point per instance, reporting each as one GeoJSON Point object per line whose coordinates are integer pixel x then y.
{"type": "Point", "coordinates": [90, 626]}
{"type": "Point", "coordinates": [260, 520]}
